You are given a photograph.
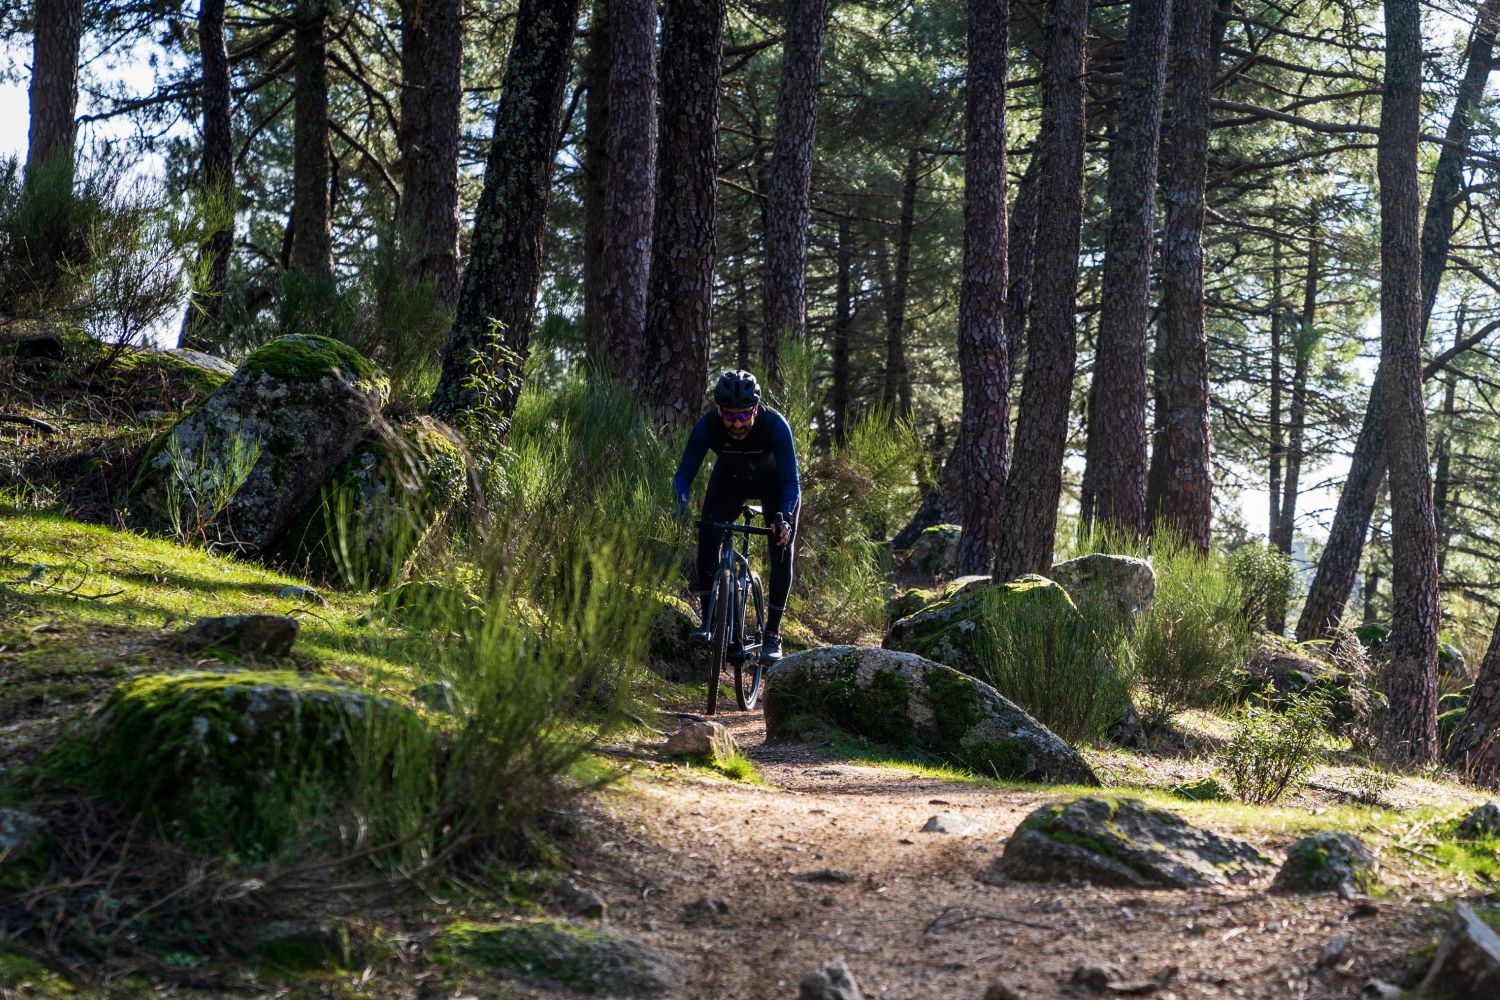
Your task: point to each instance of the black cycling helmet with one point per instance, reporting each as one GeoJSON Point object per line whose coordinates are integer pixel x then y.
{"type": "Point", "coordinates": [737, 390]}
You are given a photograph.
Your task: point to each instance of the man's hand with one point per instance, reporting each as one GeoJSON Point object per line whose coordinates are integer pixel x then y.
{"type": "Point", "coordinates": [783, 528]}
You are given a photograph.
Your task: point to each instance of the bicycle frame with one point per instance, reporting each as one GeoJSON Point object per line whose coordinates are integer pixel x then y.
{"type": "Point", "coordinates": [737, 563]}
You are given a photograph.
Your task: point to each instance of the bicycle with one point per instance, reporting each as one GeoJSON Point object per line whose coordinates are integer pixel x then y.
{"type": "Point", "coordinates": [735, 590]}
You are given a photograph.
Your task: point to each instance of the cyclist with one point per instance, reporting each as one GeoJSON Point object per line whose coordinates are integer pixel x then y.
{"type": "Point", "coordinates": [755, 460]}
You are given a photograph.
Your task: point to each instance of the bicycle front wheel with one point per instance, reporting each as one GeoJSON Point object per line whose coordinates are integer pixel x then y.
{"type": "Point", "coordinates": [722, 601]}
{"type": "Point", "coordinates": [750, 670]}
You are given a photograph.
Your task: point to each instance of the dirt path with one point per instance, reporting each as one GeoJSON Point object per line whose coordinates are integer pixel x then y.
{"type": "Point", "coordinates": [829, 861]}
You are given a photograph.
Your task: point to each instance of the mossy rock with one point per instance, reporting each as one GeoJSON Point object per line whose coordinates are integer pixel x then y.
{"type": "Point", "coordinates": [1122, 843]}
{"type": "Point", "coordinates": [1329, 861]}
{"type": "Point", "coordinates": [908, 603]}
{"type": "Point", "coordinates": [1455, 700]}
{"type": "Point", "coordinates": [154, 379]}
{"type": "Point", "coordinates": [935, 552]}
{"type": "Point", "coordinates": [1120, 586]}
{"type": "Point", "coordinates": [263, 444]}
{"type": "Point", "coordinates": [381, 503]}
{"type": "Point", "coordinates": [1207, 789]}
{"type": "Point", "coordinates": [588, 959]}
{"type": "Point", "coordinates": [671, 654]}
{"type": "Point", "coordinates": [903, 700]}
{"type": "Point", "coordinates": [960, 632]}
{"type": "Point", "coordinates": [1448, 723]}
{"type": "Point", "coordinates": [239, 759]}
{"type": "Point", "coordinates": [1277, 673]}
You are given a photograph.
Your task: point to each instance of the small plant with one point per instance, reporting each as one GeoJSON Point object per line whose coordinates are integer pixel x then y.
{"type": "Point", "coordinates": [1265, 576]}
{"type": "Point", "coordinates": [203, 482]}
{"type": "Point", "coordinates": [1369, 787]}
{"type": "Point", "coordinates": [1271, 751]}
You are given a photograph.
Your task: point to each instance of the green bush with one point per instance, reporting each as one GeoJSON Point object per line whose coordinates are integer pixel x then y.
{"type": "Point", "coordinates": [1272, 750]}
{"type": "Point", "coordinates": [1265, 577]}
{"type": "Point", "coordinates": [1195, 634]}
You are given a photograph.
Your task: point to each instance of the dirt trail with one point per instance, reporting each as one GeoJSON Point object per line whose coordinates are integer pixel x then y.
{"type": "Point", "coordinates": [829, 861]}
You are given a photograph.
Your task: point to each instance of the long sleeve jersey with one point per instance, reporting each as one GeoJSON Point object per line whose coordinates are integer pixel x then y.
{"type": "Point", "coordinates": [764, 455]}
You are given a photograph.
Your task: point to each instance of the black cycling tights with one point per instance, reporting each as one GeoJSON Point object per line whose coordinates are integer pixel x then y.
{"type": "Point", "coordinates": [722, 502]}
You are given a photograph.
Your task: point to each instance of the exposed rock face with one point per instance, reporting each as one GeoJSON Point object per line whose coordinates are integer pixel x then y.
{"type": "Point", "coordinates": [1329, 861]}
{"type": "Point", "coordinates": [1482, 821]}
{"type": "Point", "coordinates": [1467, 963]}
{"type": "Point", "coordinates": [672, 654]}
{"type": "Point", "coordinates": [829, 981]}
{"type": "Point", "coordinates": [701, 739]}
{"type": "Point", "coordinates": [227, 758]}
{"type": "Point", "coordinates": [935, 552]}
{"type": "Point", "coordinates": [254, 636]}
{"type": "Point", "coordinates": [958, 631]}
{"type": "Point", "coordinates": [1124, 843]}
{"type": "Point", "coordinates": [297, 406]}
{"type": "Point", "coordinates": [1123, 584]}
{"type": "Point", "coordinates": [587, 959]}
{"type": "Point", "coordinates": [383, 501]}
{"type": "Point", "coordinates": [897, 698]}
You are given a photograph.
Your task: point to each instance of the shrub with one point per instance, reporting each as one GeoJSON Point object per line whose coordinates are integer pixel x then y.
{"type": "Point", "coordinates": [1270, 750]}
{"type": "Point", "coordinates": [1265, 577]}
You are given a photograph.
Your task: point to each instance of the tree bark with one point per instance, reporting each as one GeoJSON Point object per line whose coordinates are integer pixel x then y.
{"type": "Point", "coordinates": [1283, 528]}
{"type": "Point", "coordinates": [679, 313]}
{"type": "Point", "coordinates": [312, 240]}
{"type": "Point", "coordinates": [1278, 444]}
{"type": "Point", "coordinates": [1442, 480]}
{"type": "Point", "coordinates": [1020, 249]}
{"type": "Point", "coordinates": [1339, 564]}
{"type": "Point", "coordinates": [1475, 746]}
{"type": "Point", "coordinates": [487, 347]}
{"type": "Point", "coordinates": [1034, 486]}
{"type": "Point", "coordinates": [431, 95]}
{"type": "Point", "coordinates": [594, 73]}
{"type": "Point", "coordinates": [630, 192]}
{"type": "Point", "coordinates": [842, 318]}
{"type": "Point", "coordinates": [984, 367]}
{"type": "Point", "coordinates": [1114, 475]}
{"type": "Point", "coordinates": [896, 396]}
{"type": "Point", "coordinates": [1181, 476]}
{"type": "Point", "coordinates": [204, 322]}
{"type": "Point", "coordinates": [1411, 686]}
{"type": "Point", "coordinates": [789, 206]}
{"type": "Point", "coordinates": [53, 91]}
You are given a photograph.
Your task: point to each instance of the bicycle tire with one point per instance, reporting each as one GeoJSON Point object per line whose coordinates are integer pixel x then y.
{"type": "Point", "coordinates": [751, 670]}
{"type": "Point", "coordinates": [722, 600]}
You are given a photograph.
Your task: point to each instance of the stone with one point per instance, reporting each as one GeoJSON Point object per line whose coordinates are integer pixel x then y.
{"type": "Point", "coordinates": [1094, 977]}
{"type": "Point", "coordinates": [300, 945]}
{"type": "Point", "coordinates": [701, 739]}
{"type": "Point", "coordinates": [307, 594]}
{"type": "Point", "coordinates": [935, 551]}
{"type": "Point", "coordinates": [403, 482]}
{"type": "Point", "coordinates": [950, 823]}
{"type": "Point", "coordinates": [287, 417]}
{"type": "Point", "coordinates": [704, 910]}
{"type": "Point", "coordinates": [1124, 843]}
{"type": "Point", "coordinates": [1481, 822]}
{"type": "Point", "coordinates": [1329, 861]}
{"type": "Point", "coordinates": [580, 902]}
{"type": "Point", "coordinates": [999, 989]}
{"type": "Point", "coordinates": [1276, 672]}
{"type": "Point", "coordinates": [672, 655]}
{"type": "Point", "coordinates": [829, 981]}
{"type": "Point", "coordinates": [1467, 963]}
{"type": "Point", "coordinates": [1123, 585]}
{"type": "Point", "coordinates": [237, 759]}
{"type": "Point", "coordinates": [1206, 789]}
{"type": "Point", "coordinates": [825, 876]}
{"type": "Point", "coordinates": [439, 695]}
{"type": "Point", "coordinates": [587, 959]}
{"type": "Point", "coordinates": [900, 698]}
{"type": "Point", "coordinates": [956, 632]}
{"type": "Point", "coordinates": [19, 831]}
{"type": "Point", "coordinates": [200, 359]}
{"type": "Point", "coordinates": [251, 636]}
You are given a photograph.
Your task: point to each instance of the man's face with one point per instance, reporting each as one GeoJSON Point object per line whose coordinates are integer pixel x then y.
{"type": "Point", "coordinates": [738, 422]}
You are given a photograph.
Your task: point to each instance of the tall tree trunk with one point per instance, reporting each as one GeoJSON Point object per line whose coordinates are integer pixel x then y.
{"type": "Point", "coordinates": [679, 313]}
{"type": "Point", "coordinates": [312, 242]}
{"type": "Point", "coordinates": [1181, 478]}
{"type": "Point", "coordinates": [897, 394]}
{"type": "Point", "coordinates": [1114, 475]}
{"type": "Point", "coordinates": [432, 43]}
{"type": "Point", "coordinates": [1020, 249]}
{"type": "Point", "coordinates": [487, 348]}
{"type": "Point", "coordinates": [842, 317]}
{"type": "Point", "coordinates": [1278, 444]}
{"type": "Point", "coordinates": [1339, 564]}
{"type": "Point", "coordinates": [594, 73]}
{"type": "Point", "coordinates": [1475, 746]}
{"type": "Point", "coordinates": [1442, 481]}
{"type": "Point", "coordinates": [741, 316]}
{"type": "Point", "coordinates": [984, 366]}
{"type": "Point", "coordinates": [53, 91]}
{"type": "Point", "coordinates": [204, 321]}
{"type": "Point", "coordinates": [1029, 519]}
{"type": "Point", "coordinates": [789, 207]}
{"type": "Point", "coordinates": [631, 188]}
{"type": "Point", "coordinates": [1411, 686]}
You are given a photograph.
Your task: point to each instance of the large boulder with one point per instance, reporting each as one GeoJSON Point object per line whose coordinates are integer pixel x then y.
{"type": "Point", "coordinates": [669, 646]}
{"type": "Point", "coordinates": [237, 758]}
{"type": "Point", "coordinates": [1121, 585]}
{"type": "Point", "coordinates": [382, 502]}
{"type": "Point", "coordinates": [583, 958]}
{"type": "Point", "coordinates": [959, 631]}
{"type": "Point", "coordinates": [1467, 963]}
{"type": "Point", "coordinates": [1124, 843]}
{"type": "Point", "coordinates": [901, 699]}
{"type": "Point", "coordinates": [264, 443]}
{"type": "Point", "coordinates": [1330, 861]}
{"type": "Point", "coordinates": [935, 550]}
{"type": "Point", "coordinates": [1276, 672]}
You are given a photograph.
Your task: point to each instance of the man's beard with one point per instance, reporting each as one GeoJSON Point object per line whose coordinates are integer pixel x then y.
{"type": "Point", "coordinates": [739, 431]}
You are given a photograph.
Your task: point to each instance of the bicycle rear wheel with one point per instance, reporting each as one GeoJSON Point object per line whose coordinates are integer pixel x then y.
{"type": "Point", "coordinates": [750, 670]}
{"type": "Point", "coordinates": [722, 601]}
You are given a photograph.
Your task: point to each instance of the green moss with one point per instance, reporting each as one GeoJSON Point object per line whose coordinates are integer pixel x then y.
{"type": "Point", "coordinates": [955, 706]}
{"type": "Point", "coordinates": [1207, 789]}
{"type": "Point", "coordinates": [579, 957]}
{"type": "Point", "coordinates": [30, 978]}
{"type": "Point", "coordinates": [1448, 723]}
{"type": "Point", "coordinates": [883, 706]}
{"type": "Point", "coordinates": [196, 383]}
{"type": "Point", "coordinates": [307, 358]}
{"type": "Point", "coordinates": [1005, 758]}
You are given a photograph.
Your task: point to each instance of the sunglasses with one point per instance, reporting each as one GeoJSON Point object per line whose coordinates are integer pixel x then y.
{"type": "Point", "coordinates": [738, 416]}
